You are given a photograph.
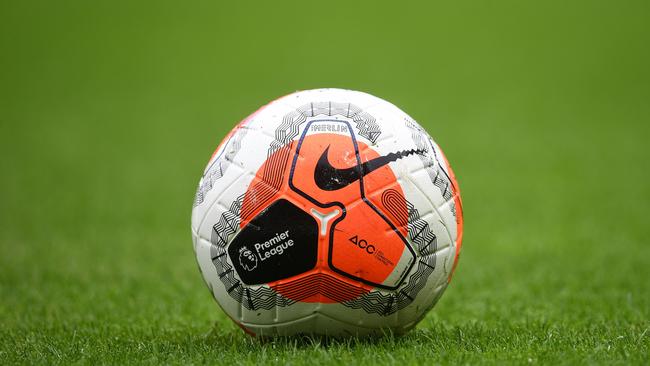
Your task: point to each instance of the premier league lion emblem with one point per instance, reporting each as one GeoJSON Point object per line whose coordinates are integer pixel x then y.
{"type": "Point", "coordinates": [247, 259]}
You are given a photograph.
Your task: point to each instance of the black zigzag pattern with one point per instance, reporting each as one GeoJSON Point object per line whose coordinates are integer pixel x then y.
{"type": "Point", "coordinates": [220, 165]}
{"type": "Point", "coordinates": [289, 128]}
{"type": "Point", "coordinates": [433, 167]}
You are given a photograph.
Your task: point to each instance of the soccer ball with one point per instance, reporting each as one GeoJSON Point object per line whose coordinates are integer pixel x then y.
{"type": "Point", "coordinates": [327, 212]}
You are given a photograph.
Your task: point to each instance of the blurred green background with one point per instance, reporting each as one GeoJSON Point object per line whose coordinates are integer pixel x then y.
{"type": "Point", "coordinates": [109, 111]}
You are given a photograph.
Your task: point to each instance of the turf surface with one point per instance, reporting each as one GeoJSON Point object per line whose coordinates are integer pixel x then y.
{"type": "Point", "coordinates": [109, 110]}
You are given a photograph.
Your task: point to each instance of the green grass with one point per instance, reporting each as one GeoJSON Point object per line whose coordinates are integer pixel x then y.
{"type": "Point", "coordinates": [109, 110]}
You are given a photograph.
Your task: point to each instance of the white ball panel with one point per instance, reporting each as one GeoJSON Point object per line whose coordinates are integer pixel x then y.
{"type": "Point", "coordinates": [360, 99]}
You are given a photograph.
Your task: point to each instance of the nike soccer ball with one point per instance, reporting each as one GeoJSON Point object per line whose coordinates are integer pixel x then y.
{"type": "Point", "coordinates": [327, 212]}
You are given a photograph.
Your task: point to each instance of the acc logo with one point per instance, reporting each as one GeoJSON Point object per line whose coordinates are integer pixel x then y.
{"type": "Point", "coordinates": [369, 248]}
{"type": "Point", "coordinates": [247, 259]}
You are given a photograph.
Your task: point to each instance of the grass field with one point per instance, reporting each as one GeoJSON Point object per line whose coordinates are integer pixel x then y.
{"type": "Point", "coordinates": [109, 111]}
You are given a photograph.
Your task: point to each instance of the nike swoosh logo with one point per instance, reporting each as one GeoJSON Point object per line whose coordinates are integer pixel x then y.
{"type": "Point", "coordinates": [329, 178]}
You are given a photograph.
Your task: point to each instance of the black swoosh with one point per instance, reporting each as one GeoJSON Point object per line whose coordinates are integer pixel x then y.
{"type": "Point", "coordinates": [329, 178]}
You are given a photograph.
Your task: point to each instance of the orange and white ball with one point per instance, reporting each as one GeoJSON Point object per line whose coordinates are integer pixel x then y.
{"type": "Point", "coordinates": [327, 212]}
